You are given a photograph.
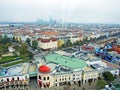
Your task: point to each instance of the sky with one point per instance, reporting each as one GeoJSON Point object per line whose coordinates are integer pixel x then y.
{"type": "Point", "coordinates": [81, 11]}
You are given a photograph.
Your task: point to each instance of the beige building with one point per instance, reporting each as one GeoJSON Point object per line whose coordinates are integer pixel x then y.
{"type": "Point", "coordinates": [90, 75]}
{"type": "Point", "coordinates": [47, 43]}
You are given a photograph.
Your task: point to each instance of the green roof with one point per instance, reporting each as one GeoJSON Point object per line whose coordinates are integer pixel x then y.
{"type": "Point", "coordinates": [73, 63]}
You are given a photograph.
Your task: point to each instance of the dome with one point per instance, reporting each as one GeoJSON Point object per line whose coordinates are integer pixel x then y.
{"type": "Point", "coordinates": [44, 69]}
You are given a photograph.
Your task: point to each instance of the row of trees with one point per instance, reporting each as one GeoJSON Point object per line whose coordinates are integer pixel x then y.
{"type": "Point", "coordinates": [68, 43]}
{"type": "Point", "coordinates": [33, 43]}
{"type": "Point", "coordinates": [4, 44]}
{"type": "Point", "coordinates": [107, 79]}
{"type": "Point", "coordinates": [22, 51]}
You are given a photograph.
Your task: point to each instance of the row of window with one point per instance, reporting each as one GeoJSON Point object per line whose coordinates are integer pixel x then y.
{"type": "Point", "coordinates": [44, 78]}
{"type": "Point", "coordinates": [87, 76]}
{"type": "Point", "coordinates": [62, 79]}
{"type": "Point", "coordinates": [63, 76]}
{"type": "Point", "coordinates": [11, 79]}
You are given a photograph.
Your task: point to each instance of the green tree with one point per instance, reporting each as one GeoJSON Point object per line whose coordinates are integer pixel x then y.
{"type": "Point", "coordinates": [15, 53]}
{"type": "Point", "coordinates": [23, 51]}
{"type": "Point", "coordinates": [68, 43]}
{"type": "Point", "coordinates": [13, 39]}
{"type": "Point", "coordinates": [34, 44]}
{"type": "Point", "coordinates": [108, 76]}
{"type": "Point", "coordinates": [76, 43]}
{"type": "Point", "coordinates": [101, 84]}
{"type": "Point", "coordinates": [28, 41]}
{"type": "Point", "coordinates": [30, 54]}
{"type": "Point", "coordinates": [5, 39]}
{"type": "Point", "coordinates": [1, 49]}
{"type": "Point", "coordinates": [0, 39]}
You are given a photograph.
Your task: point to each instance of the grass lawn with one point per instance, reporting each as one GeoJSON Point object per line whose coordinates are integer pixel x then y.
{"type": "Point", "coordinates": [12, 60]}
{"type": "Point", "coordinates": [15, 62]}
{"type": "Point", "coordinates": [7, 59]}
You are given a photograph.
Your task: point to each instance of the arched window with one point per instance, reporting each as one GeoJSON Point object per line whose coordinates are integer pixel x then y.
{"type": "Point", "coordinates": [39, 77]}
{"type": "Point", "coordinates": [18, 78]}
{"type": "Point", "coordinates": [13, 79]}
{"type": "Point", "coordinates": [44, 78]}
{"type": "Point", "coordinates": [7, 79]}
{"type": "Point", "coordinates": [47, 78]}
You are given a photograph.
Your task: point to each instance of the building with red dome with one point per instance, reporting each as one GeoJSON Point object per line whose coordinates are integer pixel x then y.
{"type": "Point", "coordinates": [44, 69]}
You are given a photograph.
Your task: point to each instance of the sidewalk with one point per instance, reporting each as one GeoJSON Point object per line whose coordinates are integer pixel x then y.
{"type": "Point", "coordinates": [74, 87]}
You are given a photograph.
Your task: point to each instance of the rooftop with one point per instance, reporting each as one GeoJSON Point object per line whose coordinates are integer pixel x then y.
{"type": "Point", "coordinates": [20, 69]}
{"type": "Point", "coordinates": [69, 62]}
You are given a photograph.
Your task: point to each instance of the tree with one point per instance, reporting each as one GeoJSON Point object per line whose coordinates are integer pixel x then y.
{"type": "Point", "coordinates": [15, 53]}
{"type": "Point", "coordinates": [76, 43]}
{"type": "Point", "coordinates": [108, 76]}
{"type": "Point", "coordinates": [68, 43]}
{"type": "Point", "coordinates": [1, 49]}
{"type": "Point", "coordinates": [101, 83]}
{"type": "Point", "coordinates": [60, 43]}
{"type": "Point", "coordinates": [30, 55]}
{"type": "Point", "coordinates": [34, 44]}
{"type": "Point", "coordinates": [23, 51]}
{"type": "Point", "coordinates": [28, 41]}
{"type": "Point", "coordinates": [13, 39]}
{"type": "Point", "coordinates": [5, 39]}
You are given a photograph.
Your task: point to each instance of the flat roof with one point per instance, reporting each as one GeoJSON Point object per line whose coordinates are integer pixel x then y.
{"type": "Point", "coordinates": [19, 69]}
{"type": "Point", "coordinates": [70, 62]}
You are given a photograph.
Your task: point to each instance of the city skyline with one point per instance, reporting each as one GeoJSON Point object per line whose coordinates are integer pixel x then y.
{"type": "Point", "coordinates": [80, 11]}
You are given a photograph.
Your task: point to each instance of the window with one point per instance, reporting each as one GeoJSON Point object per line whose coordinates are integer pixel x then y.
{"type": "Point", "coordinates": [44, 78]}
{"type": "Point", "coordinates": [91, 75]}
{"type": "Point", "coordinates": [18, 78]}
{"type": "Point", "coordinates": [12, 79]}
{"type": "Point", "coordinates": [47, 78]}
{"type": "Point", "coordinates": [1, 80]}
{"type": "Point", "coordinates": [7, 79]}
{"type": "Point", "coordinates": [39, 77]}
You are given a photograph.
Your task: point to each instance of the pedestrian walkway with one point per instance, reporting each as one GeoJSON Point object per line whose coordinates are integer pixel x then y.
{"type": "Point", "coordinates": [73, 87]}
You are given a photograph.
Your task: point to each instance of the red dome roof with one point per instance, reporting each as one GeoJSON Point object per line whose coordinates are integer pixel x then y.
{"type": "Point", "coordinates": [44, 69]}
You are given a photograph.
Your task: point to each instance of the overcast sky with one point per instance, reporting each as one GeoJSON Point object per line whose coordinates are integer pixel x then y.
{"type": "Point", "coordinates": [83, 11]}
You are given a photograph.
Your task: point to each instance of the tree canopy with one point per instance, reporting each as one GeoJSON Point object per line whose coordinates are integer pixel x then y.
{"type": "Point", "coordinates": [28, 41]}
{"type": "Point", "coordinates": [101, 84]}
{"type": "Point", "coordinates": [68, 43]}
{"type": "Point", "coordinates": [108, 76]}
{"type": "Point", "coordinates": [34, 44]}
{"type": "Point", "coordinates": [23, 51]}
